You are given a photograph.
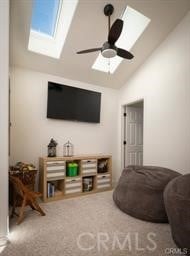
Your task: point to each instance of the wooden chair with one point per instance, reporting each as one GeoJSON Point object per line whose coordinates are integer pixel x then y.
{"type": "Point", "coordinates": [27, 197]}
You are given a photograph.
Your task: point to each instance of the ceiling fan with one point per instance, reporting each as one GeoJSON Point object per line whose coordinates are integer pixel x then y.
{"type": "Point", "coordinates": [109, 49]}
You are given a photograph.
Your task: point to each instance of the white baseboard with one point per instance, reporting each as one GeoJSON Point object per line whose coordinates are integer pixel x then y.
{"type": "Point", "coordinates": [3, 240]}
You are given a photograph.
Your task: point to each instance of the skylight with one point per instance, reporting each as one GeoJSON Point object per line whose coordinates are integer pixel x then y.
{"type": "Point", "coordinates": [45, 15]}
{"type": "Point", "coordinates": [50, 24]}
{"type": "Point", "coordinates": [134, 25]}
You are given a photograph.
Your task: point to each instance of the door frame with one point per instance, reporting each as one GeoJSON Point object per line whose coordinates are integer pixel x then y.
{"type": "Point", "coordinates": [124, 127]}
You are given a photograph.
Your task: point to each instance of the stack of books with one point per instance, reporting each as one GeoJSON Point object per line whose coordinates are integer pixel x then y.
{"type": "Point", "coordinates": [50, 189]}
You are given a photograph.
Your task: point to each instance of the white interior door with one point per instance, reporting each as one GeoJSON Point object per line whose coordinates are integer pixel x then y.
{"type": "Point", "coordinates": [134, 136]}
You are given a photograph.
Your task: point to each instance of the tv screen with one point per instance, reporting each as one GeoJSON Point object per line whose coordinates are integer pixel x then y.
{"type": "Point", "coordinates": [71, 103]}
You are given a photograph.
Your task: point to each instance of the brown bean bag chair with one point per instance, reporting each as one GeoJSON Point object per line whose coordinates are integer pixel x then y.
{"type": "Point", "coordinates": [139, 192]}
{"type": "Point", "coordinates": [177, 203]}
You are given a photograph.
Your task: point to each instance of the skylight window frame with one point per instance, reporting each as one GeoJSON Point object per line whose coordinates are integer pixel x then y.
{"type": "Point", "coordinates": [110, 65]}
{"type": "Point", "coordinates": [48, 45]}
{"type": "Point", "coordinates": [58, 18]}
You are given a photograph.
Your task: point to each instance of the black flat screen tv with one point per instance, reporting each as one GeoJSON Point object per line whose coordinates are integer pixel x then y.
{"type": "Point", "coordinates": [71, 103]}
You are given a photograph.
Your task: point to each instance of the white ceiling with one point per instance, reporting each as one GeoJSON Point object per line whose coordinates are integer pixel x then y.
{"type": "Point", "coordinates": [88, 30]}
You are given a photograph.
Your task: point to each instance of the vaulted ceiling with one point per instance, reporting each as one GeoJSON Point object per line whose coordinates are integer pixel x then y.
{"type": "Point", "coordinates": [88, 30]}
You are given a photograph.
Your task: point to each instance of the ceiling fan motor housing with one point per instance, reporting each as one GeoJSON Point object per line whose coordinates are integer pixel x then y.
{"type": "Point", "coordinates": [108, 9]}
{"type": "Point", "coordinates": [108, 50]}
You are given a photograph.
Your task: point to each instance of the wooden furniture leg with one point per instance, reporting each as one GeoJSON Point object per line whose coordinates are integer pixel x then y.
{"type": "Point", "coordinates": [38, 208]}
{"type": "Point", "coordinates": [14, 206]}
{"type": "Point", "coordinates": [21, 214]}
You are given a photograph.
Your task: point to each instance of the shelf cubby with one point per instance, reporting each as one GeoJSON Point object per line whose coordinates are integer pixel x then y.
{"type": "Point", "coordinates": [103, 165]}
{"type": "Point", "coordinates": [86, 184]}
{"type": "Point", "coordinates": [55, 188]}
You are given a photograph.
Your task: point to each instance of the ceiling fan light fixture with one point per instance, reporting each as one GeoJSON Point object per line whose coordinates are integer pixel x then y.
{"type": "Point", "coordinates": [108, 51]}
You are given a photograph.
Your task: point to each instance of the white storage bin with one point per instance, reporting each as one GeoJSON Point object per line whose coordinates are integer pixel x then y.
{"type": "Point", "coordinates": [103, 181]}
{"type": "Point", "coordinates": [55, 170]}
{"type": "Point", "coordinates": [89, 166]}
{"type": "Point", "coordinates": [73, 185]}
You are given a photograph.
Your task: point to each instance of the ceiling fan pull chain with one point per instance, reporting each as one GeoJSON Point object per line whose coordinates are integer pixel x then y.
{"type": "Point", "coordinates": [109, 66]}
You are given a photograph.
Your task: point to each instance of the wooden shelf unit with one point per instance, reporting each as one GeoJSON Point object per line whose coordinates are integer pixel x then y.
{"type": "Point", "coordinates": [53, 171]}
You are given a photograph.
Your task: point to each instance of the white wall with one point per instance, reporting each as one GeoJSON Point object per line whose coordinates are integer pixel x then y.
{"type": "Point", "coordinates": [4, 76]}
{"type": "Point", "coordinates": [163, 81]}
{"type": "Point", "coordinates": [31, 130]}
{"type": "Point", "coordinates": [164, 84]}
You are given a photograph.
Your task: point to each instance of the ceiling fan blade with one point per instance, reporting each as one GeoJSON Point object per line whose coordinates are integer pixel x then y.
{"type": "Point", "coordinates": [124, 54]}
{"type": "Point", "coordinates": [89, 50]}
{"type": "Point", "coordinates": [115, 31]}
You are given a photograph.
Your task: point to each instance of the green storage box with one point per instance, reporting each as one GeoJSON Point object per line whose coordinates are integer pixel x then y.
{"type": "Point", "coordinates": [72, 169]}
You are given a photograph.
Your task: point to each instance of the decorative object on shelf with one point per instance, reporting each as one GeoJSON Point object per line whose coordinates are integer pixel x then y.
{"type": "Point", "coordinates": [52, 148]}
{"type": "Point", "coordinates": [102, 165]}
{"type": "Point", "coordinates": [72, 169]}
{"type": "Point", "coordinates": [68, 149]}
{"type": "Point", "coordinates": [87, 184]}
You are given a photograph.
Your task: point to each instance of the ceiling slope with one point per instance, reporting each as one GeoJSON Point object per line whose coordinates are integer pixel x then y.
{"type": "Point", "coordinates": [88, 30]}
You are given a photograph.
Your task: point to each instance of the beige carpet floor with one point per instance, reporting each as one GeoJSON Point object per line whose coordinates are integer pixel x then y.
{"type": "Point", "coordinates": [91, 222]}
